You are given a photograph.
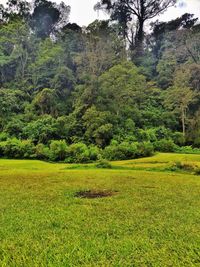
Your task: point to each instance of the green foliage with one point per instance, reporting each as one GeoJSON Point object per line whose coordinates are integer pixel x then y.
{"type": "Point", "coordinates": [122, 85]}
{"type": "Point", "coordinates": [15, 127]}
{"type": "Point", "coordinates": [145, 149]}
{"type": "Point", "coordinates": [15, 148]}
{"type": "Point", "coordinates": [165, 145]}
{"type": "Point", "coordinates": [58, 150]}
{"type": "Point", "coordinates": [29, 149]}
{"type": "Point", "coordinates": [120, 151]}
{"type": "Point", "coordinates": [127, 150]}
{"type": "Point", "coordinates": [42, 152]}
{"type": "Point", "coordinates": [41, 130]}
{"type": "Point", "coordinates": [188, 150]}
{"type": "Point", "coordinates": [103, 164]}
{"type": "Point", "coordinates": [184, 166]}
{"type": "Point", "coordinates": [80, 153]}
{"type": "Point", "coordinates": [45, 101]}
{"type": "Point", "coordinates": [59, 81]}
{"type": "Point", "coordinates": [3, 136]}
{"type": "Point", "coordinates": [99, 130]}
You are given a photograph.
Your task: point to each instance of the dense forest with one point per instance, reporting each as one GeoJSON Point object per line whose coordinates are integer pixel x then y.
{"type": "Point", "coordinates": [113, 89]}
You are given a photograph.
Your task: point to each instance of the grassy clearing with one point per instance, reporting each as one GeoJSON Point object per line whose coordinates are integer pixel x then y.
{"type": "Point", "coordinates": [152, 220]}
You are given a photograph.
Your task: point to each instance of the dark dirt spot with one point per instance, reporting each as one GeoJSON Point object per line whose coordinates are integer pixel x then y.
{"type": "Point", "coordinates": [130, 177]}
{"type": "Point", "coordinates": [94, 194]}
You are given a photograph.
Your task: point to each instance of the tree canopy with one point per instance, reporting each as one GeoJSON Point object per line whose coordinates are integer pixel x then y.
{"type": "Point", "coordinates": [82, 91]}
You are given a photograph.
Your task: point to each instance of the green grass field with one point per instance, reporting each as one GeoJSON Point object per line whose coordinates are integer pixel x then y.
{"type": "Point", "coordinates": [152, 219]}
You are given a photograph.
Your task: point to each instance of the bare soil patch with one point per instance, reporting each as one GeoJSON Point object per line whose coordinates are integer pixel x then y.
{"type": "Point", "coordinates": [95, 194]}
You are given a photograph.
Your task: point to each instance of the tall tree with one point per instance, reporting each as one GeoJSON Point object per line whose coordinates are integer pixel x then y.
{"type": "Point", "coordinates": [15, 9]}
{"type": "Point", "coordinates": [180, 97]}
{"type": "Point", "coordinates": [139, 11]}
{"type": "Point", "coordinates": [47, 17]}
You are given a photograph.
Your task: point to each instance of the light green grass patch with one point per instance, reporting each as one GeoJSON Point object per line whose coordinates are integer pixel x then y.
{"type": "Point", "coordinates": [153, 220]}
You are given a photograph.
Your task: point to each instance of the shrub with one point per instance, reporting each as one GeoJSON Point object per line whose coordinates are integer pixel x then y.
{"type": "Point", "coordinates": [3, 136]}
{"type": "Point", "coordinates": [184, 166]}
{"type": "Point", "coordinates": [14, 127]}
{"type": "Point", "coordinates": [187, 150]}
{"type": "Point", "coordinates": [95, 153]}
{"type": "Point", "coordinates": [103, 164]}
{"type": "Point", "coordinates": [18, 149]}
{"type": "Point", "coordinates": [42, 152]}
{"type": "Point", "coordinates": [121, 151]}
{"type": "Point", "coordinates": [28, 149]}
{"type": "Point", "coordinates": [146, 135]}
{"type": "Point", "coordinates": [162, 133]}
{"type": "Point", "coordinates": [13, 148]}
{"type": "Point", "coordinates": [42, 130]}
{"type": "Point", "coordinates": [178, 138]}
{"type": "Point", "coordinates": [127, 150]}
{"type": "Point", "coordinates": [144, 149]}
{"type": "Point", "coordinates": [165, 145]}
{"type": "Point", "coordinates": [2, 146]}
{"type": "Point", "coordinates": [197, 171]}
{"type": "Point", "coordinates": [77, 153]}
{"type": "Point", "coordinates": [58, 150]}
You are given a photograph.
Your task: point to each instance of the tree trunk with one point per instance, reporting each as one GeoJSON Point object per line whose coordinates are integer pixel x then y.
{"type": "Point", "coordinates": [139, 39]}
{"type": "Point", "coordinates": [183, 118]}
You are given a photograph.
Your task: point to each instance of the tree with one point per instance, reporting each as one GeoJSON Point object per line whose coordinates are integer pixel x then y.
{"type": "Point", "coordinates": [122, 86]}
{"type": "Point", "coordinates": [98, 127]}
{"type": "Point", "coordinates": [48, 60]}
{"type": "Point", "coordinates": [46, 101]}
{"type": "Point", "coordinates": [47, 17]}
{"type": "Point", "coordinates": [9, 104]}
{"type": "Point", "coordinates": [42, 130]}
{"type": "Point", "coordinates": [140, 11]}
{"type": "Point", "coordinates": [102, 48]}
{"type": "Point", "coordinates": [16, 9]}
{"type": "Point", "coordinates": [180, 96]}
{"type": "Point", "coordinates": [15, 46]}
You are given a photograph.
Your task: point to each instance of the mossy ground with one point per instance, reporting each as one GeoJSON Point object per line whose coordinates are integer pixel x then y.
{"type": "Point", "coordinates": [152, 220]}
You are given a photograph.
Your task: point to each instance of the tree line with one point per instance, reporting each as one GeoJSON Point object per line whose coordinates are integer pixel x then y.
{"type": "Point", "coordinates": [109, 89]}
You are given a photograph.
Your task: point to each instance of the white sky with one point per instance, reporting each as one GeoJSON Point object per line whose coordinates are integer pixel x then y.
{"type": "Point", "coordinates": [82, 11]}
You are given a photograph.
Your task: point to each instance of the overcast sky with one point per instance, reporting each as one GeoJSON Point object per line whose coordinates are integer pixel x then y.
{"type": "Point", "coordinates": [82, 11]}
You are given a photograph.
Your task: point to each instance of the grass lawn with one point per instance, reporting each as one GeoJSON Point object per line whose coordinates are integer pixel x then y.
{"type": "Point", "coordinates": [152, 218]}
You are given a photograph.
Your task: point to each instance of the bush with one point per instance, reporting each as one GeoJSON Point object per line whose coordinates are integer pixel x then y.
{"type": "Point", "coordinates": [42, 152]}
{"type": "Point", "coordinates": [162, 133]}
{"type": "Point", "coordinates": [95, 153]}
{"type": "Point", "coordinates": [17, 149]}
{"type": "Point", "coordinates": [197, 171]}
{"type": "Point", "coordinates": [14, 127]}
{"type": "Point", "coordinates": [165, 145]}
{"type": "Point", "coordinates": [77, 153]}
{"type": "Point", "coordinates": [146, 135]}
{"type": "Point", "coordinates": [144, 149]}
{"type": "Point", "coordinates": [121, 151]}
{"type": "Point", "coordinates": [103, 164]}
{"type": "Point", "coordinates": [2, 146]}
{"type": "Point", "coordinates": [184, 166]}
{"type": "Point", "coordinates": [58, 150]}
{"type": "Point", "coordinates": [42, 130]}
{"type": "Point", "coordinates": [127, 150]}
{"type": "Point", "coordinates": [13, 148]}
{"type": "Point", "coordinates": [3, 136]}
{"type": "Point", "coordinates": [178, 138]}
{"type": "Point", "coordinates": [187, 150]}
{"type": "Point", "coordinates": [28, 149]}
